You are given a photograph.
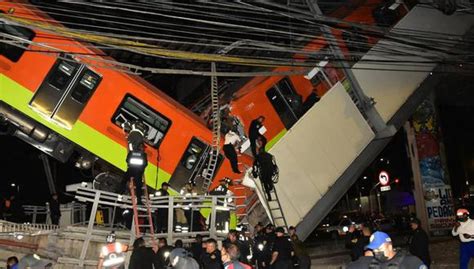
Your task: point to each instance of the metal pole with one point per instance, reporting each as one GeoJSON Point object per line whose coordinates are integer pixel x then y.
{"type": "Point", "coordinates": [376, 121]}
{"type": "Point", "coordinates": [47, 171]}
{"type": "Point", "coordinates": [212, 228]}
{"type": "Point", "coordinates": [170, 218]}
{"type": "Point", "coordinates": [90, 226]}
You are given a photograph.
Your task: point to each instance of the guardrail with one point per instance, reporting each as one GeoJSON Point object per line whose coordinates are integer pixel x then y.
{"type": "Point", "coordinates": [26, 228]}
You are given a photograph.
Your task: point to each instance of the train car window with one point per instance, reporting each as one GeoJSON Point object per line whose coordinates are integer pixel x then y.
{"type": "Point", "coordinates": [86, 86]}
{"type": "Point", "coordinates": [14, 52]}
{"type": "Point", "coordinates": [286, 87]}
{"type": "Point", "coordinates": [286, 102]}
{"type": "Point", "coordinates": [193, 154]}
{"type": "Point", "coordinates": [62, 75]}
{"type": "Point", "coordinates": [131, 109]}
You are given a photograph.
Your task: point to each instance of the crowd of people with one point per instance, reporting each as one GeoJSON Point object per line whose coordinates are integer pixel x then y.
{"type": "Point", "coordinates": [268, 247]}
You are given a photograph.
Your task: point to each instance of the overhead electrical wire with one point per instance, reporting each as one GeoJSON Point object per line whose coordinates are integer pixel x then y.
{"type": "Point", "coordinates": [234, 59]}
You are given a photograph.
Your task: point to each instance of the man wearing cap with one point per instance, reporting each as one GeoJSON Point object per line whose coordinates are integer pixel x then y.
{"type": "Point", "coordinates": [418, 243]}
{"type": "Point", "coordinates": [282, 251]}
{"type": "Point", "coordinates": [384, 256]}
{"type": "Point", "coordinates": [464, 228]}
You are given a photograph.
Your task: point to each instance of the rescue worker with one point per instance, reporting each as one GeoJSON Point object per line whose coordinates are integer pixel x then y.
{"type": "Point", "coordinates": [112, 254]}
{"type": "Point", "coordinates": [265, 168]}
{"type": "Point", "coordinates": [142, 256]}
{"type": "Point", "coordinates": [136, 144]}
{"type": "Point", "coordinates": [384, 256]}
{"type": "Point", "coordinates": [464, 228]}
{"type": "Point", "coordinates": [255, 136]}
{"type": "Point", "coordinates": [211, 259]}
{"type": "Point", "coordinates": [223, 214]}
{"type": "Point", "coordinates": [230, 254]}
{"type": "Point", "coordinates": [54, 209]}
{"type": "Point", "coordinates": [282, 251]}
{"type": "Point", "coordinates": [162, 213]}
{"type": "Point", "coordinates": [260, 257]}
{"type": "Point", "coordinates": [188, 192]}
{"type": "Point", "coordinates": [418, 243]}
{"type": "Point", "coordinates": [232, 141]}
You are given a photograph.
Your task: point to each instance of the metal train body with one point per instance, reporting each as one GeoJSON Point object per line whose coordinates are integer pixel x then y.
{"type": "Point", "coordinates": [79, 105]}
{"type": "Point", "coordinates": [60, 104]}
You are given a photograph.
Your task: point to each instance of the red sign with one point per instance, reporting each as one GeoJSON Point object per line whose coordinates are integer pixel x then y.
{"type": "Point", "coordinates": [384, 178]}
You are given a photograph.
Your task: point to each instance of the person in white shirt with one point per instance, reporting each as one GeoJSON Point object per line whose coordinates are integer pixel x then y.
{"type": "Point", "coordinates": [464, 228]}
{"type": "Point", "coordinates": [232, 140]}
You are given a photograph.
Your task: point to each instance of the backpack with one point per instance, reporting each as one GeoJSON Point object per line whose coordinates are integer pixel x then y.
{"type": "Point", "coordinates": [275, 171]}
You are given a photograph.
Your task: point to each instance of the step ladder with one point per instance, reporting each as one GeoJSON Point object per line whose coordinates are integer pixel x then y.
{"type": "Point", "coordinates": [276, 213]}
{"type": "Point", "coordinates": [140, 212]}
{"type": "Point", "coordinates": [216, 132]}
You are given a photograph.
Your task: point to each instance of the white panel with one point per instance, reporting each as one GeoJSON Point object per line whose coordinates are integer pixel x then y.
{"type": "Point", "coordinates": [317, 150]}
{"type": "Point", "coordinates": [391, 89]}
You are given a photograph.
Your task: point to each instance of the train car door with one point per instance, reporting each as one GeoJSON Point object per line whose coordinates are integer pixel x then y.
{"type": "Point", "coordinates": [192, 165]}
{"type": "Point", "coordinates": [65, 91]}
{"type": "Point", "coordinates": [76, 99]}
{"type": "Point", "coordinates": [286, 102]}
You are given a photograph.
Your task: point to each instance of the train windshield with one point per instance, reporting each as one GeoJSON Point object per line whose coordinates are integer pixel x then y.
{"type": "Point", "coordinates": [18, 36]}
{"type": "Point", "coordinates": [131, 110]}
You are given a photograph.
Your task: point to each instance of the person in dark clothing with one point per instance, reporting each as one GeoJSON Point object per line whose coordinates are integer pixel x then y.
{"type": "Point", "coordinates": [160, 258]}
{"type": "Point", "coordinates": [142, 256]}
{"type": "Point", "coordinates": [264, 167]}
{"type": "Point", "coordinates": [301, 254]}
{"type": "Point", "coordinates": [196, 248]}
{"type": "Point", "coordinates": [356, 241]}
{"type": "Point", "coordinates": [282, 251]}
{"type": "Point", "coordinates": [384, 256]}
{"type": "Point", "coordinates": [162, 213]}
{"type": "Point", "coordinates": [232, 238]}
{"type": "Point", "coordinates": [54, 209]}
{"type": "Point", "coordinates": [211, 259]}
{"type": "Point", "coordinates": [255, 136]}
{"type": "Point", "coordinates": [418, 243]}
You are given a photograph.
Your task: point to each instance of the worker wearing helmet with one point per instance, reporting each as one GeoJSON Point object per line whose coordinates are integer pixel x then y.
{"type": "Point", "coordinates": [112, 255]}
{"type": "Point", "coordinates": [464, 228]}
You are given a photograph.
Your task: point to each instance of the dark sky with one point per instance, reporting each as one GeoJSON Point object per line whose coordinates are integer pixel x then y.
{"type": "Point", "coordinates": [21, 165]}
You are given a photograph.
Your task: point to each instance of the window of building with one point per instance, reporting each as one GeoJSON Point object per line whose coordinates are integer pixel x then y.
{"type": "Point", "coordinates": [131, 110]}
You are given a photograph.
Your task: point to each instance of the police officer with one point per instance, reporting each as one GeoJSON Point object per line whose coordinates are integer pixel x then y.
{"type": "Point", "coordinates": [419, 243]}
{"type": "Point", "coordinates": [259, 242]}
{"type": "Point", "coordinates": [384, 256]}
{"type": "Point", "coordinates": [233, 238]}
{"type": "Point", "coordinates": [282, 251]}
{"type": "Point", "coordinates": [211, 259]}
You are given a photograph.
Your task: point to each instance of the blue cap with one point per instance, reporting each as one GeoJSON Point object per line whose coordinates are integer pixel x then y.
{"type": "Point", "coordinates": [377, 239]}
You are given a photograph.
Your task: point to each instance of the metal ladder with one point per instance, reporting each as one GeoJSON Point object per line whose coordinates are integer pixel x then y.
{"type": "Point", "coordinates": [137, 211]}
{"type": "Point", "coordinates": [276, 213]}
{"type": "Point", "coordinates": [216, 132]}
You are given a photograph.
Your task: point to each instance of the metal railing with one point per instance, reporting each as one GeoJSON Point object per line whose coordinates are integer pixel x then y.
{"type": "Point", "coordinates": [217, 208]}
{"type": "Point", "coordinates": [26, 228]}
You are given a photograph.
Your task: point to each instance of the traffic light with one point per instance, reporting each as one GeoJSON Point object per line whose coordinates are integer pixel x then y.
{"type": "Point", "coordinates": [397, 181]}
